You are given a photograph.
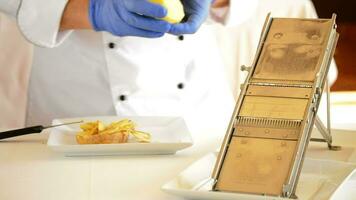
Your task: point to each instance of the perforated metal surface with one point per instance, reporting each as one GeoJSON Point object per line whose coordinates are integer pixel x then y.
{"type": "Point", "coordinates": [265, 143]}
{"type": "Point", "coordinates": [269, 164]}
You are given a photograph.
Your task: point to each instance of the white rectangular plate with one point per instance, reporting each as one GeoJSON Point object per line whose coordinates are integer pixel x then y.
{"type": "Point", "coordinates": [169, 134]}
{"type": "Point", "coordinates": [347, 190]}
{"type": "Point", "coordinates": [318, 180]}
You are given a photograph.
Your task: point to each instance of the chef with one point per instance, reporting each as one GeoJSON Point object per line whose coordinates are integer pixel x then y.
{"type": "Point", "coordinates": [98, 57]}
{"type": "Point", "coordinates": [83, 75]}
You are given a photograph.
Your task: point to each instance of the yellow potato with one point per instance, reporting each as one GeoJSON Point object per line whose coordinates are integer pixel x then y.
{"type": "Point", "coordinates": [175, 10]}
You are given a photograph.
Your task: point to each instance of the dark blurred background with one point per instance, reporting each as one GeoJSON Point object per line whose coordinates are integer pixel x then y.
{"type": "Point", "coordinates": [345, 54]}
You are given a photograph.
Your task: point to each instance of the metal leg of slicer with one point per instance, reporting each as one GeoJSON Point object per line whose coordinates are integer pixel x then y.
{"type": "Point", "coordinates": [326, 131]}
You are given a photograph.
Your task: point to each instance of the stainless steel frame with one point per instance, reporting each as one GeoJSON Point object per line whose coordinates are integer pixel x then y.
{"type": "Point", "coordinates": [307, 126]}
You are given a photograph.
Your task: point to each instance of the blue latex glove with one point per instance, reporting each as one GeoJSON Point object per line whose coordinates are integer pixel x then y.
{"type": "Point", "coordinates": [121, 18]}
{"type": "Point", "coordinates": [196, 12]}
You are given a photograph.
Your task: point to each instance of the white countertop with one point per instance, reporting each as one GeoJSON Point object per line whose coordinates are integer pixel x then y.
{"type": "Point", "coordinates": [29, 170]}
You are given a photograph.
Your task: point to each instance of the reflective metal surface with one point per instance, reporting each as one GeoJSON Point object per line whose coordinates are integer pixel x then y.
{"type": "Point", "coordinates": [265, 144]}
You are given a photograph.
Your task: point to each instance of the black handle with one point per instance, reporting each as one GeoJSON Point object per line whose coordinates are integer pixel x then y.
{"type": "Point", "coordinates": [23, 131]}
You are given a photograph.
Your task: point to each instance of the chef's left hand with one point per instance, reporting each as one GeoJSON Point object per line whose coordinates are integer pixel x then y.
{"type": "Point", "coordinates": [196, 12]}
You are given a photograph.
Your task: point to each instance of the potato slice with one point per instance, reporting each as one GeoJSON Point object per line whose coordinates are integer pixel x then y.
{"type": "Point", "coordinates": [117, 132]}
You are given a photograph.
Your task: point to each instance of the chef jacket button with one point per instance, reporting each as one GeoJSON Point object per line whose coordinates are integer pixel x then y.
{"type": "Point", "coordinates": [111, 45]}
{"type": "Point", "coordinates": [122, 97]}
{"type": "Point", "coordinates": [180, 86]}
{"type": "Point", "coordinates": [181, 37]}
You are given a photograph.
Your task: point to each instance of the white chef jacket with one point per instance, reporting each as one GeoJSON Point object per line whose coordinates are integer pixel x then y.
{"type": "Point", "coordinates": [15, 65]}
{"type": "Point", "coordinates": [87, 61]}
{"type": "Point", "coordinates": [94, 74]}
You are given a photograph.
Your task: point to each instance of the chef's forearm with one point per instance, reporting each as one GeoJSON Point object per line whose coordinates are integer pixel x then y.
{"type": "Point", "coordinates": [75, 15]}
{"type": "Point", "coordinates": [221, 3]}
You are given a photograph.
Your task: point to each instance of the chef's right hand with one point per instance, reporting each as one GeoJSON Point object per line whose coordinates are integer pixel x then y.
{"type": "Point", "coordinates": [128, 17]}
